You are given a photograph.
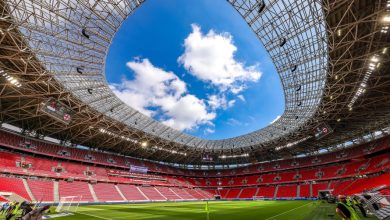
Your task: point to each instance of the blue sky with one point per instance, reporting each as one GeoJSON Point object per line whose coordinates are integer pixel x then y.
{"type": "Point", "coordinates": [195, 66]}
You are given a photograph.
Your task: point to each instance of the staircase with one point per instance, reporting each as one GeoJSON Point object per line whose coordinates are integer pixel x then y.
{"type": "Point", "coordinates": [257, 191]}
{"type": "Point", "coordinates": [27, 187]}
{"type": "Point", "coordinates": [175, 193]}
{"type": "Point", "coordinates": [239, 194]}
{"type": "Point", "coordinates": [95, 199]}
{"type": "Point", "coordinates": [311, 189]}
{"type": "Point", "coordinates": [298, 190]}
{"type": "Point", "coordinates": [276, 191]}
{"type": "Point", "coordinates": [143, 193]}
{"type": "Point", "coordinates": [328, 187]}
{"type": "Point", "coordinates": [160, 193]}
{"type": "Point", "coordinates": [55, 191]}
{"type": "Point", "coordinates": [120, 193]}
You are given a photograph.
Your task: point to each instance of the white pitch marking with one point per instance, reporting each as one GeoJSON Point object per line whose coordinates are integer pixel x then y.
{"type": "Point", "coordinates": [288, 211]}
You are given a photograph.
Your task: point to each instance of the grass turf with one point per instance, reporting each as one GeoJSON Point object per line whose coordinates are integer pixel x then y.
{"type": "Point", "coordinates": [238, 210]}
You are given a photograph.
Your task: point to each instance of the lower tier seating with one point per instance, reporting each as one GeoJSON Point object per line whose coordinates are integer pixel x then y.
{"type": "Point", "coordinates": [14, 185]}
{"type": "Point", "coordinates": [247, 193]}
{"type": "Point", "coordinates": [42, 189]}
{"type": "Point", "coordinates": [76, 188]}
{"type": "Point", "coordinates": [107, 192]}
{"type": "Point", "coordinates": [304, 190]}
{"type": "Point", "coordinates": [132, 193]}
{"type": "Point", "coordinates": [152, 194]}
{"type": "Point", "coordinates": [287, 191]}
{"type": "Point", "coordinates": [45, 190]}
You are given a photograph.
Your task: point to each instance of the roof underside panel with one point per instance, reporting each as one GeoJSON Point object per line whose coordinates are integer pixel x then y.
{"type": "Point", "coordinates": [71, 39]}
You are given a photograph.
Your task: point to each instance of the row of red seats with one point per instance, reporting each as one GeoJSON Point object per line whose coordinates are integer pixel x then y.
{"type": "Point", "coordinates": [27, 144]}
{"type": "Point", "coordinates": [43, 190]}
{"type": "Point", "coordinates": [43, 167]}
{"type": "Point", "coordinates": [47, 167]}
{"type": "Point", "coordinates": [346, 187]}
{"type": "Point", "coordinates": [327, 172]}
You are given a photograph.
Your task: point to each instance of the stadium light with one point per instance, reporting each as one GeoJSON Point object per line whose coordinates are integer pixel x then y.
{"type": "Point", "coordinates": [234, 156]}
{"type": "Point", "coordinates": [292, 143]}
{"type": "Point", "coordinates": [144, 144]}
{"type": "Point", "coordinates": [339, 32]}
{"type": "Point", "coordinates": [374, 63]}
{"type": "Point", "coordinates": [169, 151]}
{"type": "Point", "coordinates": [104, 131]}
{"type": "Point", "coordinates": [375, 59]}
{"type": "Point", "coordinates": [386, 18]}
{"type": "Point", "coordinates": [12, 80]}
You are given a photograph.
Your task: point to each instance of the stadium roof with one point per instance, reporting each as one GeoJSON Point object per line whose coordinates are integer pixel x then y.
{"type": "Point", "coordinates": [327, 53]}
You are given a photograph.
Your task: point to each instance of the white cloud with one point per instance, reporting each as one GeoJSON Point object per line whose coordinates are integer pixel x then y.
{"type": "Point", "coordinates": [163, 95]}
{"type": "Point", "coordinates": [277, 118]}
{"type": "Point", "coordinates": [210, 58]}
{"type": "Point", "coordinates": [233, 122]}
{"type": "Point", "coordinates": [156, 88]}
{"type": "Point", "coordinates": [219, 101]}
{"type": "Point", "coordinates": [188, 113]}
{"type": "Point", "coordinates": [231, 103]}
{"type": "Point", "coordinates": [241, 97]}
{"type": "Point", "coordinates": [209, 131]}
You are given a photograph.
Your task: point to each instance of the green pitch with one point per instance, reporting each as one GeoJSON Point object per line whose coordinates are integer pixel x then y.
{"type": "Point", "coordinates": [238, 210]}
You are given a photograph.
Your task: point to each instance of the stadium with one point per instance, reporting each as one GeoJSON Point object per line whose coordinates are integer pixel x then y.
{"type": "Point", "coordinates": [72, 143]}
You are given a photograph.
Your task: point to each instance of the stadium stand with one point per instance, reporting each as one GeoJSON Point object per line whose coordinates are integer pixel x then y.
{"type": "Point", "coordinates": [316, 187]}
{"type": "Point", "coordinates": [100, 180]}
{"type": "Point", "coordinates": [304, 190]}
{"type": "Point", "coordinates": [14, 185]}
{"type": "Point", "coordinates": [43, 190]}
{"type": "Point", "coordinates": [132, 193]}
{"type": "Point", "coordinates": [76, 188]}
{"type": "Point", "coordinates": [287, 191]}
{"type": "Point", "coordinates": [106, 192]}
{"type": "Point", "coordinates": [152, 194]}
{"type": "Point", "coordinates": [266, 191]}
{"type": "Point", "coordinates": [247, 193]}
{"type": "Point", "coordinates": [15, 141]}
{"type": "Point", "coordinates": [168, 193]}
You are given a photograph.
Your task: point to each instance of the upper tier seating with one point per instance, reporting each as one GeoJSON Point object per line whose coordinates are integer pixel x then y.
{"type": "Point", "coordinates": [46, 148]}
